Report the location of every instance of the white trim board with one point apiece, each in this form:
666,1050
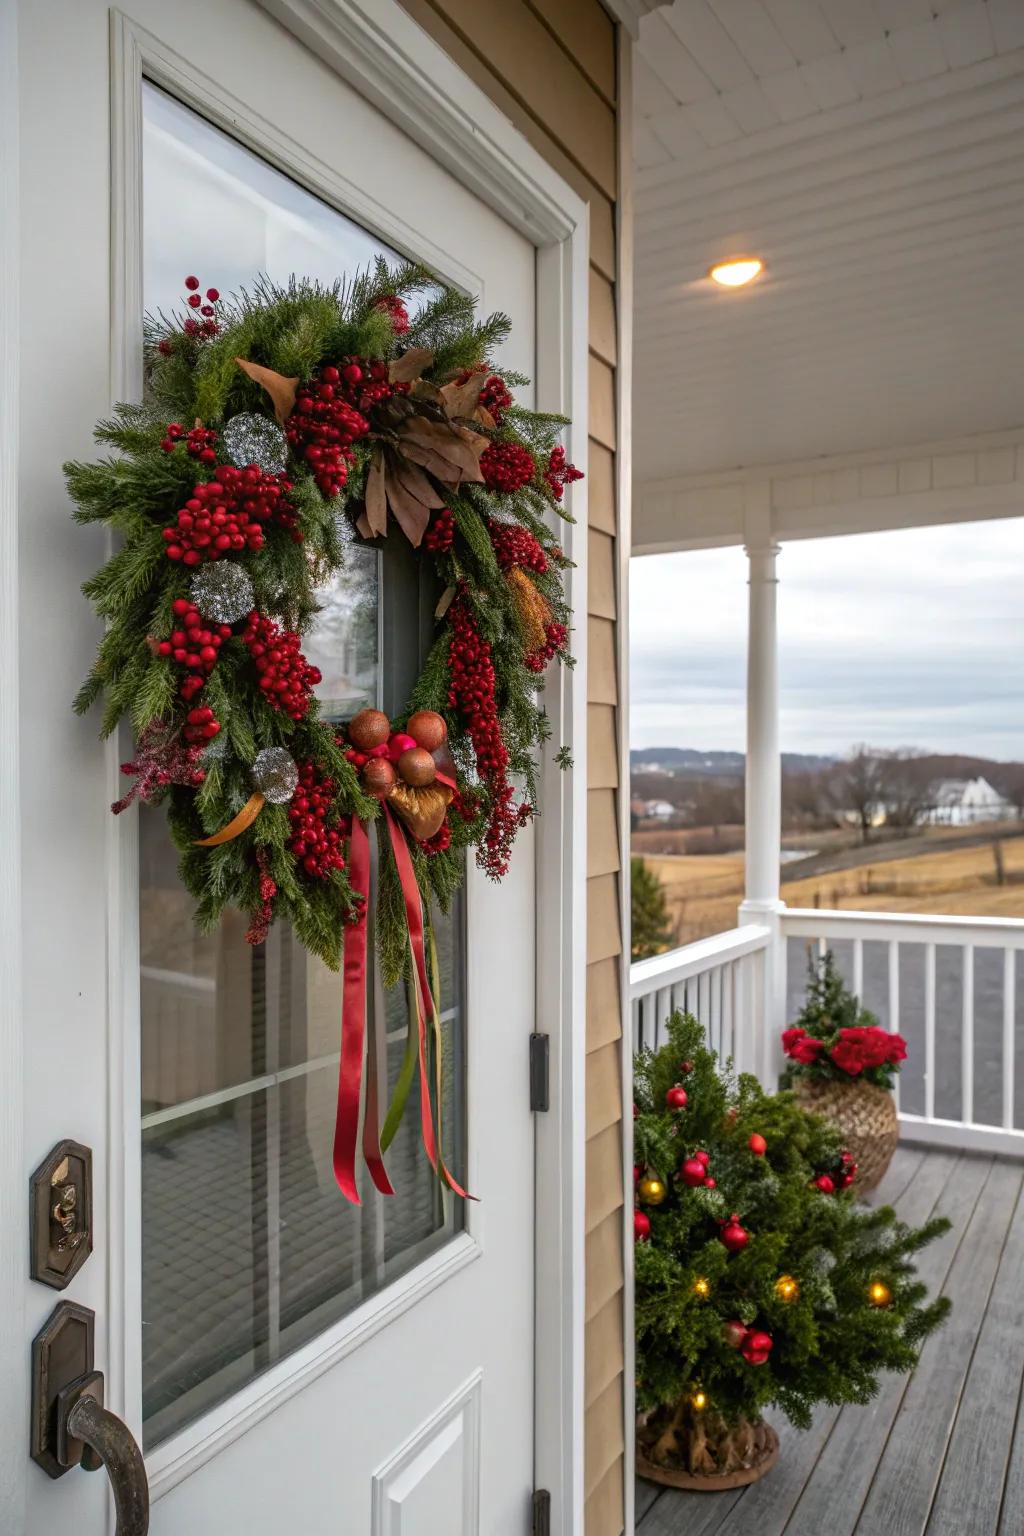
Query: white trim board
965,479
382,53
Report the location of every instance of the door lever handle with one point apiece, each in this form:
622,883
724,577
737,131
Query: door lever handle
90,1436
70,1425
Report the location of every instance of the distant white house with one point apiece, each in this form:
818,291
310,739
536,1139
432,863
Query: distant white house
962,802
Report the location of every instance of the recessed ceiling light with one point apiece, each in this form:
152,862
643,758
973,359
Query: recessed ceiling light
737,272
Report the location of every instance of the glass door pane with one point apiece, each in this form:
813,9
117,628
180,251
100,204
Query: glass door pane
248,1249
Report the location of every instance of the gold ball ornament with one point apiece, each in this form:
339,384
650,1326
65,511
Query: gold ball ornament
651,1190
787,1288
879,1294
378,777
417,767
368,729
427,729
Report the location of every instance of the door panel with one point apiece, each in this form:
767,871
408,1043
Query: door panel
317,1432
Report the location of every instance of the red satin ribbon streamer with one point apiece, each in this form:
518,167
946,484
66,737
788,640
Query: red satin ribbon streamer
353,1023
353,1040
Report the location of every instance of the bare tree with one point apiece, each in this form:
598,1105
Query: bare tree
857,788
906,783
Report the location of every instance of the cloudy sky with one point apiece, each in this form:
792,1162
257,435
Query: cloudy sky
912,638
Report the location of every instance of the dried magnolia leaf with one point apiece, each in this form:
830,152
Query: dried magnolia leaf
376,497
456,444
363,526
445,602
410,513
442,469
463,399
410,365
422,389
280,389
484,417
415,481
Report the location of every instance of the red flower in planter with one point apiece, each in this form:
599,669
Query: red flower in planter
801,1046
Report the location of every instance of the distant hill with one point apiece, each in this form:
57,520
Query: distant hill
685,762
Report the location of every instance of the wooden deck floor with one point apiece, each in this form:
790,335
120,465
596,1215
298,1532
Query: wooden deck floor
939,1453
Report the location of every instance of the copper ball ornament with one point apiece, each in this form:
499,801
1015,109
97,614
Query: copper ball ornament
368,729
378,777
417,767
427,729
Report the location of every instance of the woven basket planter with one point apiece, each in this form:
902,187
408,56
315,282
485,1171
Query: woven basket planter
866,1116
703,1454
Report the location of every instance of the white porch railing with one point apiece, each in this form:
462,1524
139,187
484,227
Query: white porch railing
949,984
720,980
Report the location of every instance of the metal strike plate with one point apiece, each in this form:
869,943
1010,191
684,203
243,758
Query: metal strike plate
62,1353
60,1198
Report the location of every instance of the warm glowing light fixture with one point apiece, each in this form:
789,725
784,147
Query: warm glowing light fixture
699,1400
702,1288
737,272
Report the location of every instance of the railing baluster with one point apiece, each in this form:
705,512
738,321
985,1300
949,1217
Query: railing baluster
858,967
1009,1011
894,1003
703,1000
967,1038
728,1022
929,1031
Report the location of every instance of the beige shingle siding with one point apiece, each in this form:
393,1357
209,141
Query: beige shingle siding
550,65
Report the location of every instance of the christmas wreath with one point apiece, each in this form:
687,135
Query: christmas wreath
276,427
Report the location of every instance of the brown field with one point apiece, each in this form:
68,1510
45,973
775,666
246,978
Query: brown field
704,891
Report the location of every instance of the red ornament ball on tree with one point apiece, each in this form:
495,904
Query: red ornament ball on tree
641,1226
825,1183
757,1346
733,1235
734,1333
757,1145
692,1172
676,1098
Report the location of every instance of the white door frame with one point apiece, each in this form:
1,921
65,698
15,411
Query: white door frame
379,50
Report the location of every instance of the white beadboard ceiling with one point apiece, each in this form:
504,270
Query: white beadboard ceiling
872,153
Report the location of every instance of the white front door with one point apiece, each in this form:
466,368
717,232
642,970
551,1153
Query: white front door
289,1363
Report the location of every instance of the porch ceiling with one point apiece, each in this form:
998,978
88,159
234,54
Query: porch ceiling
872,153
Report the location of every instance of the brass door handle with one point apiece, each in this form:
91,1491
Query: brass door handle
70,1425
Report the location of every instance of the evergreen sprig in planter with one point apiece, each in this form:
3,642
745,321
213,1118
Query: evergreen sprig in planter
760,1283
843,1067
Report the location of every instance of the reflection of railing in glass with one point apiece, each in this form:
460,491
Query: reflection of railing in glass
248,1249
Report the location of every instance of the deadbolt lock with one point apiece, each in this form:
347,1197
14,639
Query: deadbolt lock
61,1214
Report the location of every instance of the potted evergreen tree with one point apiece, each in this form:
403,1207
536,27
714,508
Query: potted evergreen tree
759,1282
843,1067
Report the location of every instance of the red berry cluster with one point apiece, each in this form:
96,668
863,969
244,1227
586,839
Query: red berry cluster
193,646
322,428
200,724
556,637
313,840
495,397
393,306
439,842
262,919
199,442
559,474
506,467
226,514
286,677
471,691
515,545
440,536
365,382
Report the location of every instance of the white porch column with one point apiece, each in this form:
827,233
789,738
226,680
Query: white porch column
762,902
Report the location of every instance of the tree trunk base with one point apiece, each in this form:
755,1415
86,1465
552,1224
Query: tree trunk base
699,1451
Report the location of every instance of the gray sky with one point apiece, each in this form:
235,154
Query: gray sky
912,638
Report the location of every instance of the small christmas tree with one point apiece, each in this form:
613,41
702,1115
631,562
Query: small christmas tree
651,924
758,1281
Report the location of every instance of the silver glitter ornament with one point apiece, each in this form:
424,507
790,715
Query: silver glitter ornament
275,774
222,591
253,439
216,750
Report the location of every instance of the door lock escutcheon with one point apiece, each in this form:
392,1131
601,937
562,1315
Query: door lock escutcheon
70,1425
60,1199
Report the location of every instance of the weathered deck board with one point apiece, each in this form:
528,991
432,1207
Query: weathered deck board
940,1453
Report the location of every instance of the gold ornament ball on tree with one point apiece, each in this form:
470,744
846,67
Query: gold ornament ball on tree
651,1190
417,767
427,729
786,1288
879,1293
368,729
